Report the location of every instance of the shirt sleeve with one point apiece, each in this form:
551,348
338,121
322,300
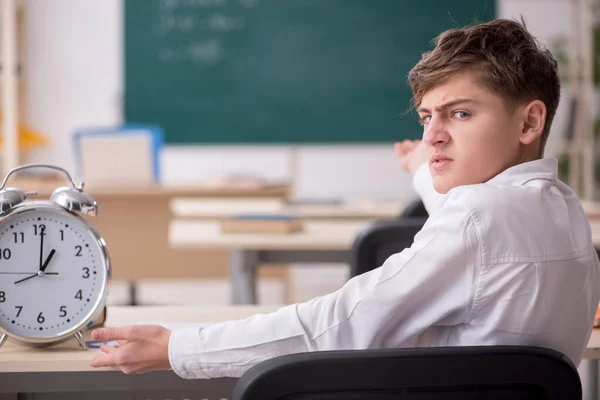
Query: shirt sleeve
431,283
423,185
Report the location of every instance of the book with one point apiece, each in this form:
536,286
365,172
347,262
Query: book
262,223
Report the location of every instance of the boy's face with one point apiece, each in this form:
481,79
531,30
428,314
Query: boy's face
469,134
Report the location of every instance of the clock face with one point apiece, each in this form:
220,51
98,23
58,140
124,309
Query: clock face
53,273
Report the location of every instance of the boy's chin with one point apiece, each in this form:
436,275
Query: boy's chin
441,186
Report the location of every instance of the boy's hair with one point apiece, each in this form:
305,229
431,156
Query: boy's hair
507,59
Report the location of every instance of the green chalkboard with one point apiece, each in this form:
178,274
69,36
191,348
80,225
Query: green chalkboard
281,71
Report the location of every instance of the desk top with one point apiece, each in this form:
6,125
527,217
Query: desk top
69,357
45,189
15,357
318,234
213,208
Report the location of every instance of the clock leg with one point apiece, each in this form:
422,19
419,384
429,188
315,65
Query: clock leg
79,337
2,339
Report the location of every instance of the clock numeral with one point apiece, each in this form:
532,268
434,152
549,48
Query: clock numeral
38,228
20,308
78,248
86,273
41,318
62,235
79,295
5,254
63,311
2,297
18,235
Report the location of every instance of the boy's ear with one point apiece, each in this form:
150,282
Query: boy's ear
534,121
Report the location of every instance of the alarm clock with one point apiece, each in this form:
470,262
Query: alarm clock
54,266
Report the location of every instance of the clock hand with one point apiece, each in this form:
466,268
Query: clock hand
30,276
24,279
45,265
27,273
41,246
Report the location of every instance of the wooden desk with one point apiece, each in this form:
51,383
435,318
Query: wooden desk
223,208
595,225
63,369
134,222
318,243
53,372
323,240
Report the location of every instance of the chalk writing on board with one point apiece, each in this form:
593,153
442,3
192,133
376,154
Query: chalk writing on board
207,52
169,23
173,5
222,22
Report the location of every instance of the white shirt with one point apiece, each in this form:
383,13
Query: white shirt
506,262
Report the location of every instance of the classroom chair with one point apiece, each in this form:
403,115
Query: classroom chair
415,208
377,242
445,373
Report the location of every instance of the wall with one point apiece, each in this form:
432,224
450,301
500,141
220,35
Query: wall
74,78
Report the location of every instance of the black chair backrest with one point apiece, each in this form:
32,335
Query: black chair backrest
415,208
449,373
379,241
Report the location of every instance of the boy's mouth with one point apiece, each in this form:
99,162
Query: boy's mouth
439,162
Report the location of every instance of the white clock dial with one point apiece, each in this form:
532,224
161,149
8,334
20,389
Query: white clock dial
53,272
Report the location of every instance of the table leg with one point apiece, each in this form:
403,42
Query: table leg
592,379
242,275
133,294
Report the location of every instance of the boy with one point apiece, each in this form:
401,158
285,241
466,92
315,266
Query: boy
506,260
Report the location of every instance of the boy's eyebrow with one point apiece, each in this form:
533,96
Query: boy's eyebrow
448,104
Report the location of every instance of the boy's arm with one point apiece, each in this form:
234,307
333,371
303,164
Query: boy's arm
430,283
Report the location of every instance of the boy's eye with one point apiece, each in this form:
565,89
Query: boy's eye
425,119
461,114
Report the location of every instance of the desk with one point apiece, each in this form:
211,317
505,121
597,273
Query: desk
55,371
595,225
319,243
223,208
134,222
322,240
65,369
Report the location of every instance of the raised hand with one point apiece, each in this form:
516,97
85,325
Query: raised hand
411,154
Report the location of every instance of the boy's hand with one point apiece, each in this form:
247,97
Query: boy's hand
411,155
142,348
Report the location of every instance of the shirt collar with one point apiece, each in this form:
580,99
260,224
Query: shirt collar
520,174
